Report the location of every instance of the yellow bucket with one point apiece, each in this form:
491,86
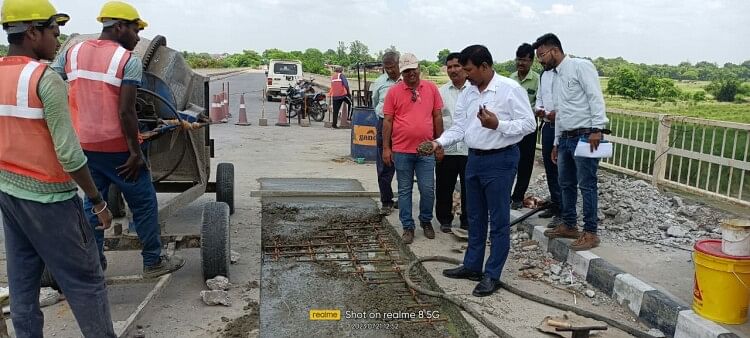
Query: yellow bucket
721,290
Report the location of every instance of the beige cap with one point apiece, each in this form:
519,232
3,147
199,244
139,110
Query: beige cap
408,61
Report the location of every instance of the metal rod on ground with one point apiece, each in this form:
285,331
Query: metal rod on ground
523,294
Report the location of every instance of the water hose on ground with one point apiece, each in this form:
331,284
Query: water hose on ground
523,294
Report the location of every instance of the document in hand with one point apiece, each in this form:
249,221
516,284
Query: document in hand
583,149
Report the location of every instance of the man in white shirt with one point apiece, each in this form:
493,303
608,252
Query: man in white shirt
579,116
453,164
492,116
546,111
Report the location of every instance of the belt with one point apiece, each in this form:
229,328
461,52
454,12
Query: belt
576,132
480,152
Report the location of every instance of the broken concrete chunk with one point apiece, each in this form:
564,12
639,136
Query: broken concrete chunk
48,296
555,269
218,283
590,293
216,297
677,231
655,333
234,257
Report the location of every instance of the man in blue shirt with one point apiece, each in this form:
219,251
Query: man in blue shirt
579,115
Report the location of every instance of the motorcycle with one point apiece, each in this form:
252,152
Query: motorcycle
303,96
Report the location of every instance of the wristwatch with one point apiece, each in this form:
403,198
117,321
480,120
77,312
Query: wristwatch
97,199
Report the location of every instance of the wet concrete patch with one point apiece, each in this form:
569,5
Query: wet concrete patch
337,254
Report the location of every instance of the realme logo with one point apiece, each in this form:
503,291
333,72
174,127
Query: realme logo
325,314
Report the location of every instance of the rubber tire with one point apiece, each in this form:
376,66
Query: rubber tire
48,281
225,185
115,202
292,112
319,117
215,241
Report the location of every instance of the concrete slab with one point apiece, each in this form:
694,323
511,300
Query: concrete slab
580,261
629,292
299,279
690,325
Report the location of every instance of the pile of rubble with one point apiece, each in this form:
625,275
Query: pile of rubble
632,209
536,264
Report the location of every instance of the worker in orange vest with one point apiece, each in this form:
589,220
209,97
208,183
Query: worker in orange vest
41,162
340,94
104,76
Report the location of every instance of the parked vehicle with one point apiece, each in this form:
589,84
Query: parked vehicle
281,75
303,96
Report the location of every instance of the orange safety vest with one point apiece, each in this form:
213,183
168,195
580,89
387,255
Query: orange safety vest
26,146
337,86
95,69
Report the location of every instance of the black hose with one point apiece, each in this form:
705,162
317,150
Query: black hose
187,136
523,294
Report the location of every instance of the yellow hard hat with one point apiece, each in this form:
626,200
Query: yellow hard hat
23,11
122,11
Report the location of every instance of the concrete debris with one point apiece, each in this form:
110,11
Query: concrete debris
656,333
555,269
216,297
677,231
218,283
234,257
48,296
633,209
590,293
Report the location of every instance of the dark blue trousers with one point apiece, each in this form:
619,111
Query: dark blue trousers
489,179
140,196
58,236
385,173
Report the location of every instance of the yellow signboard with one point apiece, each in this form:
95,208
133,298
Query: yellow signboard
365,136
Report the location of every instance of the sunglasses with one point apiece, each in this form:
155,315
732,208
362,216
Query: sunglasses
414,95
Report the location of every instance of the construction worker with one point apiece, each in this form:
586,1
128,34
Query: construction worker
340,94
40,163
104,76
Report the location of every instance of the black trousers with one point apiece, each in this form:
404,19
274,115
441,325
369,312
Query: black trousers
527,147
337,106
446,172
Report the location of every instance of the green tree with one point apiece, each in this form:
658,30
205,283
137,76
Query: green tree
274,53
248,58
633,83
724,89
313,62
342,56
359,52
3,50
442,55
433,69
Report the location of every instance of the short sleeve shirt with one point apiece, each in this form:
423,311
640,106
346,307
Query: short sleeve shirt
412,119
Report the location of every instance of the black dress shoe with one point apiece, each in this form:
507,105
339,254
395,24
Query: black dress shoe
550,212
462,273
486,287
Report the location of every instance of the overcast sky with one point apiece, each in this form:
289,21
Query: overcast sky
648,31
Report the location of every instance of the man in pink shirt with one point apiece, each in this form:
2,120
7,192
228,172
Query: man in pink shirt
412,113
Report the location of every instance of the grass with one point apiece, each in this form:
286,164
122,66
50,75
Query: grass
717,141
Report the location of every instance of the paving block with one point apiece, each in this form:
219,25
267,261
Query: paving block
559,248
602,275
629,291
538,235
691,325
660,311
579,260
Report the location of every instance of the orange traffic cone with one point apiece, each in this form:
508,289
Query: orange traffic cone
215,110
242,113
283,121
